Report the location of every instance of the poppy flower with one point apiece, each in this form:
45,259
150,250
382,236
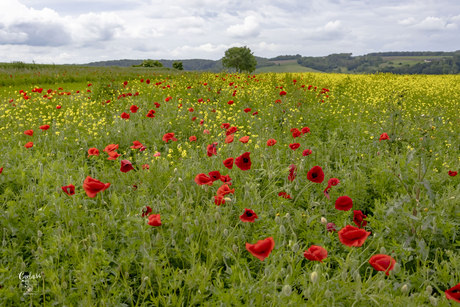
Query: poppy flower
150,114
283,93
244,139
244,161
453,174
93,186
292,174
315,253
453,293
294,146
110,147
255,113
1,170
231,130
228,163
306,152
315,174
353,236
44,127
206,131
278,101
124,115
29,144
191,110
343,203
136,145
69,189
214,175
333,182
247,110
271,142
193,118
154,220
295,132
211,149
229,139
202,179
305,130
383,263
331,227
230,102
358,218
93,152
192,138
169,136
126,166
113,155
284,195
57,107
146,210
125,83
248,216
219,200
145,166
157,154
225,126
134,108
224,190
29,132
384,136
262,248
147,81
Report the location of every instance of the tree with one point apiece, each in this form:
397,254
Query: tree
178,65
240,58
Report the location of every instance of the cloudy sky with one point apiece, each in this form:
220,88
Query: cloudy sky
82,31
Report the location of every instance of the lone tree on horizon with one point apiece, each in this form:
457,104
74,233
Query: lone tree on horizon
240,58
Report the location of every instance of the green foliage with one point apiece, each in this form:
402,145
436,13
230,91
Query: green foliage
239,58
178,65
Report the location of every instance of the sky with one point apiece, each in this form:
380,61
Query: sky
83,31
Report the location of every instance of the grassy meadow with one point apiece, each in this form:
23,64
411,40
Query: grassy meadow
287,66
390,141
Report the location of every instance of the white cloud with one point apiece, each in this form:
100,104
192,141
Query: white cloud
250,28
407,22
434,24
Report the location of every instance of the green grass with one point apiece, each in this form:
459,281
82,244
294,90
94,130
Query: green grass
411,60
285,67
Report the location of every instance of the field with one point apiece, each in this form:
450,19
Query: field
411,60
342,191
288,66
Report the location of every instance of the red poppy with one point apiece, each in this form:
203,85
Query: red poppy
93,186
1,170
384,136
383,263
255,113
202,179
225,126
283,93
93,152
29,144
134,108
113,155
262,248
230,102
69,189
343,203
315,253
333,182
331,227
292,174
315,174
306,152
150,114
452,173
136,145
154,220
124,115
271,142
29,132
219,200
211,149
278,101
453,293
125,83
145,166
353,236
110,147
146,210
214,175
206,131
169,136
226,179
57,107
244,161
126,166
305,130
228,163
244,139
147,81
231,130
192,138
295,132
191,110
224,190
358,218
294,146
44,127
284,195
247,110
193,118
248,216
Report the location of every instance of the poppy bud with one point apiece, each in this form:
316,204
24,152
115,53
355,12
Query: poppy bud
287,290
314,277
64,285
126,275
175,170
429,290
289,270
433,301
235,248
397,268
327,294
90,250
94,237
39,234
277,219
227,199
180,179
404,289
4,242
295,247
151,266
357,277
217,216
229,271
196,222
358,295
383,250
40,250
323,221
282,229
381,284
267,271
173,242
287,215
